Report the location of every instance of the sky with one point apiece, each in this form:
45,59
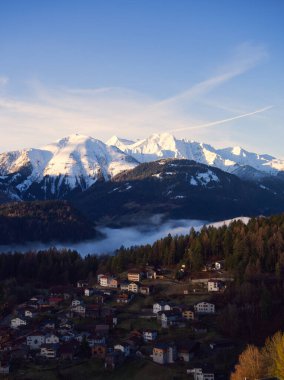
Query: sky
205,70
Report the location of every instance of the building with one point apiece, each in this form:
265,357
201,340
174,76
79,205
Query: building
201,373
164,353
145,289
124,348
30,312
35,341
215,285
188,313
103,281
168,317
89,292
219,264
161,306
82,284
134,276
204,308
18,322
186,350
124,298
150,335
133,287
113,283
51,339
124,286
49,351
99,350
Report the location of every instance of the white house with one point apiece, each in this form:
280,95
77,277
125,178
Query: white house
35,341
103,281
89,292
49,351
76,303
204,308
30,313
124,348
51,339
17,322
201,374
215,285
150,335
161,306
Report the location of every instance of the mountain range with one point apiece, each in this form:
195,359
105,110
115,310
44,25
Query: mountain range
121,180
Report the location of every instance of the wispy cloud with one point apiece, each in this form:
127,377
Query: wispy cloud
223,121
55,112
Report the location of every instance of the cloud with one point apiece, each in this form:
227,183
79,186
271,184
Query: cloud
218,122
51,113
245,57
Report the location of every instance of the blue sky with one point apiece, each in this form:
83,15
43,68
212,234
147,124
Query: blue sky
136,67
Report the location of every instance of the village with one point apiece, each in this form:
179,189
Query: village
144,316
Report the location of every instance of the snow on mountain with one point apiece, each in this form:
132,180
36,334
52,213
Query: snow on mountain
231,159
74,161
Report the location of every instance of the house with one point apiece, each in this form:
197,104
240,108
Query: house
215,285
48,324
123,347
113,283
201,373
124,298
99,350
219,264
76,302
164,353
187,349
82,284
204,308
151,274
51,339
188,313
133,287
79,309
103,280
150,335
89,292
30,312
145,289
168,317
124,286
134,276
18,322
161,306
35,340
114,359
49,351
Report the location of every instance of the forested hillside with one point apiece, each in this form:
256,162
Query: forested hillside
42,221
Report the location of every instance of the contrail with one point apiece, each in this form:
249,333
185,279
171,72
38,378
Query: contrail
211,124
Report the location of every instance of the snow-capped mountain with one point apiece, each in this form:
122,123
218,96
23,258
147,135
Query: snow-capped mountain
234,159
76,161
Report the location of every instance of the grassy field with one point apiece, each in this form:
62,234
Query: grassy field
135,370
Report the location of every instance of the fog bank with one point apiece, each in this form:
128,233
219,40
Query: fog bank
115,238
